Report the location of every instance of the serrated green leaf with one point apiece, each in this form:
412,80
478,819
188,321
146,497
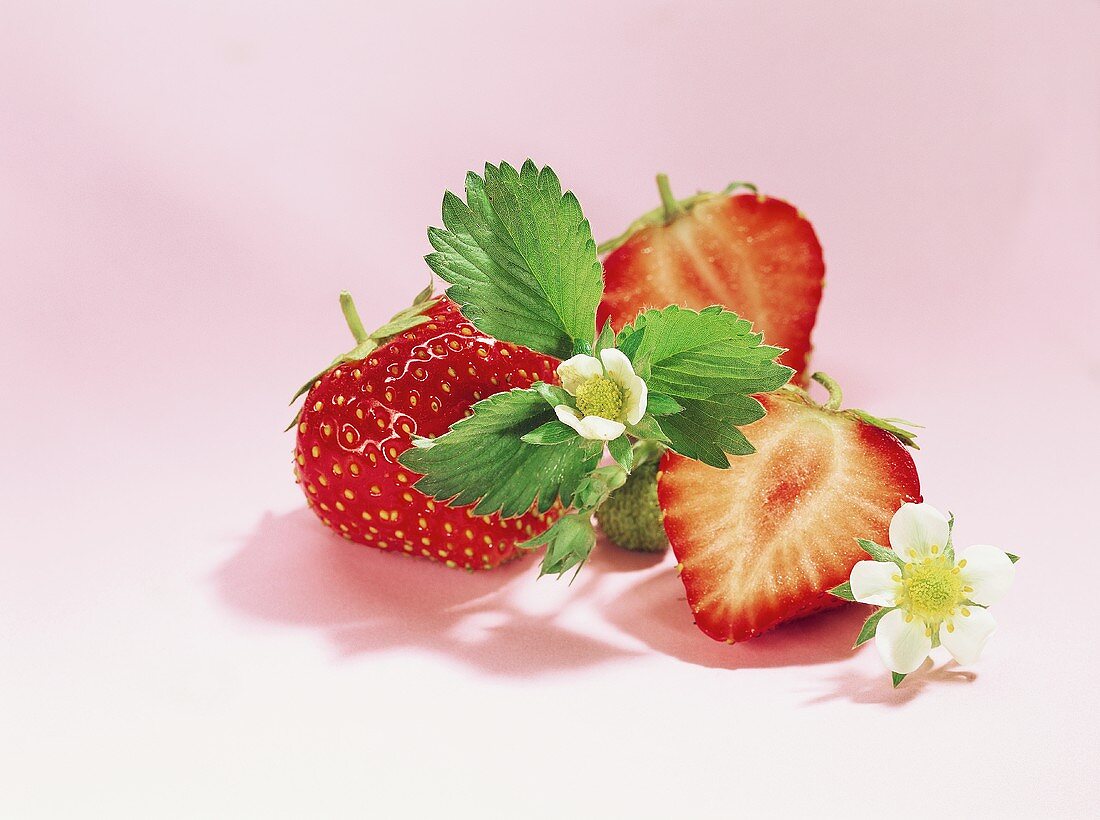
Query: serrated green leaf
870,625
569,542
706,431
482,459
843,591
897,678
880,553
659,404
622,452
553,432
705,354
520,259
710,363
648,428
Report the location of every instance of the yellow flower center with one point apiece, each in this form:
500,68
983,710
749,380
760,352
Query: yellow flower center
600,397
932,589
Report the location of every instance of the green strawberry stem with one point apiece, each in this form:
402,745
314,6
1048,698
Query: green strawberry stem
835,394
351,315
671,207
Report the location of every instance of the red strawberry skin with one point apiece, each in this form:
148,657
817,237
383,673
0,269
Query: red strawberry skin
360,416
756,256
763,542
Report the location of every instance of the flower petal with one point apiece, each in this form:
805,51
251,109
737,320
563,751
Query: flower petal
576,371
616,366
568,415
597,428
964,636
637,397
915,529
902,645
873,582
989,571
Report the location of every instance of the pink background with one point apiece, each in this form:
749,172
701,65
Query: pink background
184,188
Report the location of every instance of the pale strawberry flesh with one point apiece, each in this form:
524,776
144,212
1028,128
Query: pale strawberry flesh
763,542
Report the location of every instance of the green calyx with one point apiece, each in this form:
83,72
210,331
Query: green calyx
670,209
366,342
898,428
631,517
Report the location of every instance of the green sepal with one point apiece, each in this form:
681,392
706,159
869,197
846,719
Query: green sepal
622,452
659,404
1012,558
553,432
867,631
404,319
892,426
880,553
949,548
553,394
594,488
569,542
843,591
897,678
605,340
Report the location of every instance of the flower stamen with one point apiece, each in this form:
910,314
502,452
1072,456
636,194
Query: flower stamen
600,397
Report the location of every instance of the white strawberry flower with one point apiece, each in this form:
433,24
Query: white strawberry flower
609,394
935,594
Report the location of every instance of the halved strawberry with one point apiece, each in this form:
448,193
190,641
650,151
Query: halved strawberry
762,542
750,253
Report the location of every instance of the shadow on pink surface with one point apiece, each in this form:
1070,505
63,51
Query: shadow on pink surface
859,687
656,611
292,571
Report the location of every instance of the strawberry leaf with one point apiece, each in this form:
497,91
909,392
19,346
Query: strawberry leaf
484,460
709,362
661,405
553,432
622,452
520,258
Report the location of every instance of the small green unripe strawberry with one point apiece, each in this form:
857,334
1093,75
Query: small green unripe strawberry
631,518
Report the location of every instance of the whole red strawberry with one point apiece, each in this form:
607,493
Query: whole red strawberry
755,255
416,375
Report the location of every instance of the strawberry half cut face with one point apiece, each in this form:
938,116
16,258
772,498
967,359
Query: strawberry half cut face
762,542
